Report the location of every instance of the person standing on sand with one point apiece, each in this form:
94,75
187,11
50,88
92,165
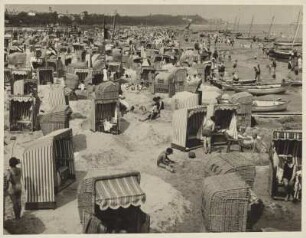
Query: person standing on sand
164,162
208,128
13,177
273,66
235,64
290,63
257,73
105,74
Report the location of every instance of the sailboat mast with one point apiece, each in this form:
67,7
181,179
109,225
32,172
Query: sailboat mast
114,25
238,24
251,26
297,29
235,22
269,32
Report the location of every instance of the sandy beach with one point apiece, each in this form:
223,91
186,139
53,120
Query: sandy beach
173,200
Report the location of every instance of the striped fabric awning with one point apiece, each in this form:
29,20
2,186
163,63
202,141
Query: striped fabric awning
119,192
226,107
196,109
288,135
21,98
20,72
80,70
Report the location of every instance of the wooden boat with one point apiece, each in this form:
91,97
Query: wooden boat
287,43
227,87
230,85
263,89
269,105
280,54
244,38
266,39
248,37
296,83
242,81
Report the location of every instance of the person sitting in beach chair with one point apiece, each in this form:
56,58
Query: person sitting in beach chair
289,172
164,162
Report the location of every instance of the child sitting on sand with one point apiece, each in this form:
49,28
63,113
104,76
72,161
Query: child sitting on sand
164,162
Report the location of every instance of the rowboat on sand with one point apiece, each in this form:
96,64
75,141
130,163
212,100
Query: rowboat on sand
263,89
295,83
269,105
287,43
280,54
230,84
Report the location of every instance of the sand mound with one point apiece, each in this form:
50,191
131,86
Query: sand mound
102,160
150,135
166,210
81,107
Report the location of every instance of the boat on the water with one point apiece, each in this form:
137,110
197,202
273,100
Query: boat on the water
280,54
287,43
229,84
269,105
295,83
244,38
266,39
263,89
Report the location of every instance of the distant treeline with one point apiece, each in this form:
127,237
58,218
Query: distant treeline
39,19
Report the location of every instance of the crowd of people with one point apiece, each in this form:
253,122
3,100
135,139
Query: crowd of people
97,56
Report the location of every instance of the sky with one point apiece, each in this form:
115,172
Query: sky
262,13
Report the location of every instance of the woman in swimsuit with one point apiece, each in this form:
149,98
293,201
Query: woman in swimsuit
13,177
288,177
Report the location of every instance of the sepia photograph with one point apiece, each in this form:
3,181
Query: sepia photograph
152,118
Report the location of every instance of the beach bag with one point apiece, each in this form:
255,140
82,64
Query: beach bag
191,155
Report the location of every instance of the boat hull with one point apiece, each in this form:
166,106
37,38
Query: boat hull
288,44
229,85
280,54
282,106
259,91
296,83
244,38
